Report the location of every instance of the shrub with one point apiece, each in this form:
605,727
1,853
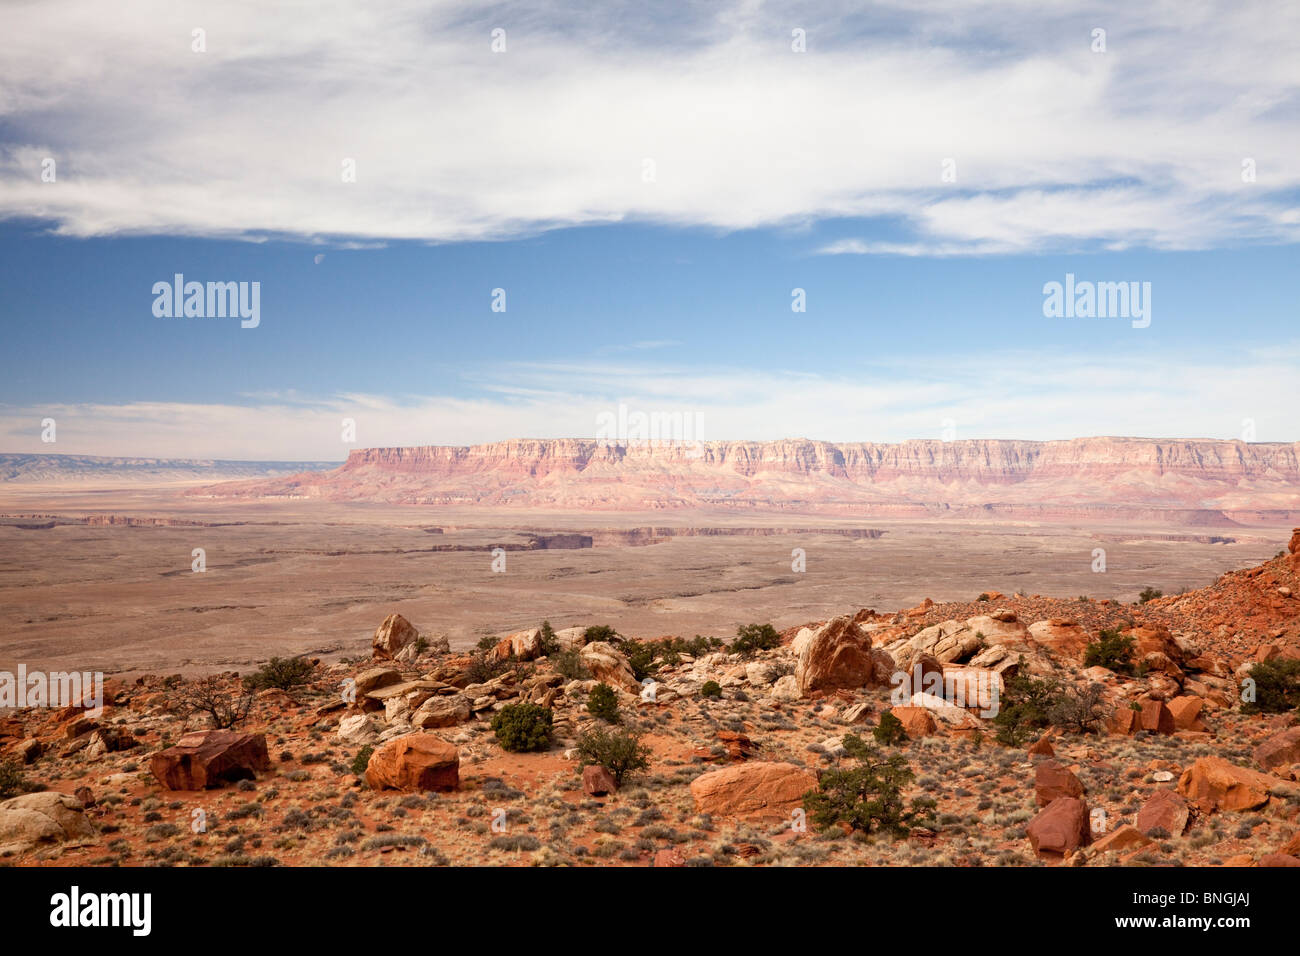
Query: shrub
755,637
711,688
569,665
600,632
641,657
1277,687
281,673
362,760
1023,707
481,669
983,597
1081,709
523,727
12,781
890,731
618,752
207,696
603,703
866,797
549,644
1149,594
1112,650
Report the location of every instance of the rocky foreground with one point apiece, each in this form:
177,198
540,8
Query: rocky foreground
1010,730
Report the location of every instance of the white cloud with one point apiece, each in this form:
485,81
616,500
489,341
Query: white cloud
1054,144
991,395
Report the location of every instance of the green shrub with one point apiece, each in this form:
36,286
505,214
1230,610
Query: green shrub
282,673
599,632
523,727
641,657
890,731
482,669
548,642
1024,706
361,760
867,797
711,688
603,703
755,637
1080,708
569,665
1149,594
12,781
1112,650
619,752
1277,687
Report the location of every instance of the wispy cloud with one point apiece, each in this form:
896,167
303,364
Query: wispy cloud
701,115
996,394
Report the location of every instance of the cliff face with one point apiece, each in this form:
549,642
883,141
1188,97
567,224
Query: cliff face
1060,478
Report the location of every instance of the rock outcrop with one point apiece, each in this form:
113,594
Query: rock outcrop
210,758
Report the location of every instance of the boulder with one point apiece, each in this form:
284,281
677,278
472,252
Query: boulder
1061,827
1052,780
1122,838
1061,636
1186,713
414,762
210,758
945,712
1213,783
1277,859
597,781
442,712
1155,717
753,790
1164,810
522,645
917,721
358,730
609,666
840,655
33,819
786,688
391,636
1280,750
375,678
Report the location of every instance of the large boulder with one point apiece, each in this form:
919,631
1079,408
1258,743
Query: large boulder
1060,827
917,722
358,730
1062,636
414,762
1213,783
1164,810
210,758
840,655
754,790
522,645
1280,750
391,636
33,819
1053,779
375,678
608,666
445,711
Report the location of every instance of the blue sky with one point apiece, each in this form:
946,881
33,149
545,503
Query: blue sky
527,170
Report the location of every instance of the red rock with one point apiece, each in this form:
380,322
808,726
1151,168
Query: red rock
738,746
1042,747
391,636
1186,713
1155,717
210,758
414,762
926,675
1213,783
1280,750
597,781
522,645
1061,827
1053,780
1278,859
917,721
1125,837
753,790
669,857
1164,810
840,655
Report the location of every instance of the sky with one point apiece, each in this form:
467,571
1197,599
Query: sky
474,222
